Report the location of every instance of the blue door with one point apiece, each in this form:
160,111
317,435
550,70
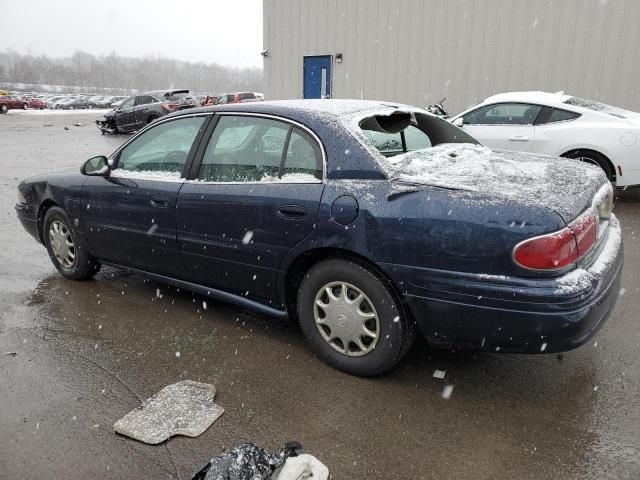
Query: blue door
236,224
317,77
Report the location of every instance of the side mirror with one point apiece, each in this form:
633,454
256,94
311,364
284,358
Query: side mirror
459,122
96,166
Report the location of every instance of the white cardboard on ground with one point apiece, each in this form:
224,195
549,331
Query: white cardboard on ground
184,408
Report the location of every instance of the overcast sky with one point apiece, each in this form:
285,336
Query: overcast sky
228,32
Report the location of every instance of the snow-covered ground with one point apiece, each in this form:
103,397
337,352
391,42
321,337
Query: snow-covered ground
95,111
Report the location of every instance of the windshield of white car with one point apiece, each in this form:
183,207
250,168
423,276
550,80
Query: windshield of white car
596,106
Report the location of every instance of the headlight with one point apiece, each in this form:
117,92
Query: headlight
21,198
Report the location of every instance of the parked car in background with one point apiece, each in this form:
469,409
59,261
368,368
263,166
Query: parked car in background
560,125
36,104
364,221
80,103
239,97
55,101
11,102
105,101
136,112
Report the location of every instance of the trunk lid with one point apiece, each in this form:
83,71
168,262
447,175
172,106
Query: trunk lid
562,185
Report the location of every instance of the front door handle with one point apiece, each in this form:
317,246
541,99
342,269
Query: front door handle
291,212
519,138
159,202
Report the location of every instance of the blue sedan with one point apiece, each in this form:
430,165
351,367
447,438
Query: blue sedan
366,222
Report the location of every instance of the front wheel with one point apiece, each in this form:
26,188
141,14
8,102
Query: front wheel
352,318
25,106
67,251
4,109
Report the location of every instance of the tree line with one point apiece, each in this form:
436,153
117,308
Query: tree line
113,72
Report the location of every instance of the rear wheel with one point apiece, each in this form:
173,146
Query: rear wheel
25,106
352,319
151,119
593,158
67,251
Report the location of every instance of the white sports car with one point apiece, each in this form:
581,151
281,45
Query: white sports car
560,125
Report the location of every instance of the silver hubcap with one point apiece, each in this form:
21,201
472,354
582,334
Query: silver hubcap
62,244
346,319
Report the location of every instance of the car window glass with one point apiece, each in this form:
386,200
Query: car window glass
391,143
304,159
504,114
244,149
558,115
128,103
163,148
416,139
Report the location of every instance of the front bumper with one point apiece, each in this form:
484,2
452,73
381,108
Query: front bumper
509,314
28,216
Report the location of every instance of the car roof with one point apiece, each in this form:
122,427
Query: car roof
165,92
540,98
304,108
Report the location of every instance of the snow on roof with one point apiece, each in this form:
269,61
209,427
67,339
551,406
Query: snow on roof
338,108
543,98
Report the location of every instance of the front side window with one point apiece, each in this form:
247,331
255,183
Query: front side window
504,114
255,149
128,103
161,150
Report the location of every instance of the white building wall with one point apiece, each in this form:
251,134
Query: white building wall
418,51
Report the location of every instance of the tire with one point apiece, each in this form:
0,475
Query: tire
594,158
25,106
151,119
3,109
58,233
392,328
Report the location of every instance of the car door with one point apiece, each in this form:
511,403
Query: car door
555,130
129,215
125,116
506,126
140,110
256,195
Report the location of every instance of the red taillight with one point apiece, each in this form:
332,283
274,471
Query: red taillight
557,250
547,252
171,106
585,230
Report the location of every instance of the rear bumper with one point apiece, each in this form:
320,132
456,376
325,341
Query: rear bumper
516,315
28,216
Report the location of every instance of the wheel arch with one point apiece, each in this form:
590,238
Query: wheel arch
306,260
42,211
597,152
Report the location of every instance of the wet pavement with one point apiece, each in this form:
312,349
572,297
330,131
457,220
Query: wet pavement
86,353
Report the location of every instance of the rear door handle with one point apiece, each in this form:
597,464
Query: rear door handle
519,138
159,202
291,212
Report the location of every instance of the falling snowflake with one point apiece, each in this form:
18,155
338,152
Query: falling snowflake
247,237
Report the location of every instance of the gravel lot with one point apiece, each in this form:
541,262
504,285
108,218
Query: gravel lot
87,353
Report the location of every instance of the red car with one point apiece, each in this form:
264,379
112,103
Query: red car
36,104
9,102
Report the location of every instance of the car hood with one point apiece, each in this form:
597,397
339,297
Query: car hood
563,185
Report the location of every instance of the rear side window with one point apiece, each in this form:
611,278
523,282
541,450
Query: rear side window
247,96
255,149
553,115
504,114
303,156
